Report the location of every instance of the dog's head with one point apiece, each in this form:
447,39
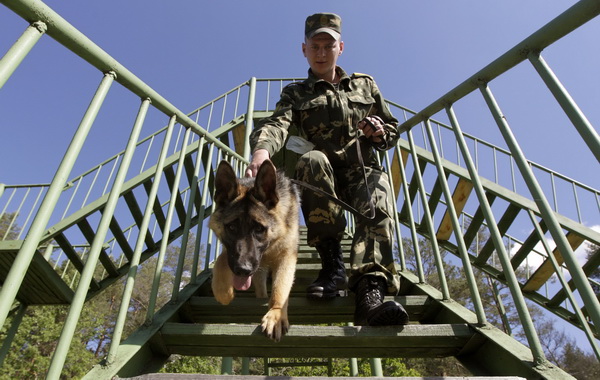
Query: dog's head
242,218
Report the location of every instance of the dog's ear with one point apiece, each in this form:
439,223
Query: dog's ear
226,186
265,185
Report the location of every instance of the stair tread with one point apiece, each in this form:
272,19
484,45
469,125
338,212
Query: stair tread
301,309
315,341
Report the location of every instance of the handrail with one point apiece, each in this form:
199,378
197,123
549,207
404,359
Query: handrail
555,176
71,38
580,13
209,143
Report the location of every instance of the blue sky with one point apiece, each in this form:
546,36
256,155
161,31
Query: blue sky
192,51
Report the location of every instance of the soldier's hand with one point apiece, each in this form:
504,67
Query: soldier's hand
257,159
372,127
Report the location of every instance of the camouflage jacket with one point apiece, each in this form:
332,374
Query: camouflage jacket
327,117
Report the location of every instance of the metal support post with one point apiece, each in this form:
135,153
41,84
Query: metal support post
139,246
227,365
186,225
245,366
353,367
399,245
429,220
581,123
202,212
511,278
201,145
60,354
249,117
376,369
12,332
561,278
15,277
411,219
579,277
463,250
167,229
15,55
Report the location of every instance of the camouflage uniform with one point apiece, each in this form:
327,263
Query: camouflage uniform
327,117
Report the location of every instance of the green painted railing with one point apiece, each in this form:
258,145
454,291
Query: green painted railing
55,218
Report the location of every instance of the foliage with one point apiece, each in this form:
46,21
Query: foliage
288,366
31,350
8,229
33,346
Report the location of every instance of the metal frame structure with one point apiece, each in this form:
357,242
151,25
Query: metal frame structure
50,231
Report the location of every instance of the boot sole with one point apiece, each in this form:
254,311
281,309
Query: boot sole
388,314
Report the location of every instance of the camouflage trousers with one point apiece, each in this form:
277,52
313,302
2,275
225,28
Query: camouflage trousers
371,252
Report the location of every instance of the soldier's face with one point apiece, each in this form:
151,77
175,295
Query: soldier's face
321,52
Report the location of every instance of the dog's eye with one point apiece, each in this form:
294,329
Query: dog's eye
259,229
232,227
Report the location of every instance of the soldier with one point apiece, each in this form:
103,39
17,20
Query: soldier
334,111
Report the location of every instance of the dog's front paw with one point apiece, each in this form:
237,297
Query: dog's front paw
275,324
223,294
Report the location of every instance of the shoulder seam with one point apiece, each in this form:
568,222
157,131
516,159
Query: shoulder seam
361,75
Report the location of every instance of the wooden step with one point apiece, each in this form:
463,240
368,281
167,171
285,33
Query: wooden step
313,341
42,285
301,310
546,270
459,198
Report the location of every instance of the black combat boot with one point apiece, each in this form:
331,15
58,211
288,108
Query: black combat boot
370,310
332,280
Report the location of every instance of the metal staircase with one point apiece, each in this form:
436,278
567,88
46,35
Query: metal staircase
452,189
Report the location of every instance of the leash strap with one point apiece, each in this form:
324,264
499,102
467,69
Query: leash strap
334,199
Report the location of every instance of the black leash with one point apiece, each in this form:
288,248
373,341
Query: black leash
334,199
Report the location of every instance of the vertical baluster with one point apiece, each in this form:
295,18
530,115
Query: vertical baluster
15,55
579,277
60,354
139,245
31,211
558,270
112,171
581,123
395,209
188,222
249,117
146,155
202,212
496,237
12,332
429,218
460,242
17,272
576,199
411,220
87,195
16,213
9,201
167,228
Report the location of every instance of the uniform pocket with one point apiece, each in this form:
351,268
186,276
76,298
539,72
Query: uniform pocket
360,104
319,101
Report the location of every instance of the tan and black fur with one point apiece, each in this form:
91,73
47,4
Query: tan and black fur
256,220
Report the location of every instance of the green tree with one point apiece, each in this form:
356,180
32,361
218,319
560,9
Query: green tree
8,229
38,333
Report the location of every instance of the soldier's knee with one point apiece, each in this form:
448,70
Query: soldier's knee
312,159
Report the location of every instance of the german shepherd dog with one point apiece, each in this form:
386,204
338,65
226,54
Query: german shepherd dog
256,220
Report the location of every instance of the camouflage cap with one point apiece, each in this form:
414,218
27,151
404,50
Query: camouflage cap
323,23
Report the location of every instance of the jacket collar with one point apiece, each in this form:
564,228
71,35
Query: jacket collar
313,81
